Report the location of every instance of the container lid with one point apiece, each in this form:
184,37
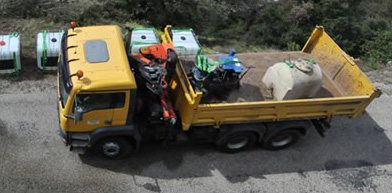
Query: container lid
304,64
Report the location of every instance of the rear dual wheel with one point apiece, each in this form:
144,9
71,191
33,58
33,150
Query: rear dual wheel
237,142
282,140
243,140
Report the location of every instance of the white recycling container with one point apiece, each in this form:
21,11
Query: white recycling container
48,49
10,53
185,42
142,37
301,78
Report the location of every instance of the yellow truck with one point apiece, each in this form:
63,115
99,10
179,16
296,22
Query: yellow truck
103,109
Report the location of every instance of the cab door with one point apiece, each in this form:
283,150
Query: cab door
98,110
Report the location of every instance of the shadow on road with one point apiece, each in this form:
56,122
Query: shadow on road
28,72
349,144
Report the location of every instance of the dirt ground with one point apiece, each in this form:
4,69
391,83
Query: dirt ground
382,77
30,80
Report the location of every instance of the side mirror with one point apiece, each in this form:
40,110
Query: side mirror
78,114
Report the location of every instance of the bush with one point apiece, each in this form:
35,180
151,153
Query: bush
379,48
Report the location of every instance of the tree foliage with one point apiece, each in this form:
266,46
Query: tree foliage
379,48
358,26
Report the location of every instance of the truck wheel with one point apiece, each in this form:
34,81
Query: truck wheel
282,140
237,142
113,148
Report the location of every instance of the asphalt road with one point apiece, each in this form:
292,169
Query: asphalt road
355,156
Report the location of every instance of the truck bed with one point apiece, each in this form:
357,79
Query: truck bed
346,90
251,87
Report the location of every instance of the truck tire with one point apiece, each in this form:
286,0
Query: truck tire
113,148
237,142
282,139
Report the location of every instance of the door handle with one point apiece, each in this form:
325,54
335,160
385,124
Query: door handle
108,121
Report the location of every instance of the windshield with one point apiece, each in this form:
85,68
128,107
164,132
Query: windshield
65,84
63,92
100,101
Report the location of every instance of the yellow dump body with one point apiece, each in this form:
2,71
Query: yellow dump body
356,92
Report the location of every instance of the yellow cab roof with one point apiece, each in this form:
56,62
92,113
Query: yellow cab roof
99,52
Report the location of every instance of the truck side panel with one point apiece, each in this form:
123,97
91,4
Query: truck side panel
276,110
186,99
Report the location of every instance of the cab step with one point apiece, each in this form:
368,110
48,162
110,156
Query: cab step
80,136
79,143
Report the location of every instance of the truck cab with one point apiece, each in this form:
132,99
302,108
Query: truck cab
96,88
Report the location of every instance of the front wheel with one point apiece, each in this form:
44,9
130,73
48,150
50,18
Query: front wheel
283,139
113,148
237,142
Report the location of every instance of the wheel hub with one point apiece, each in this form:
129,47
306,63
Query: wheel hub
111,149
282,140
238,143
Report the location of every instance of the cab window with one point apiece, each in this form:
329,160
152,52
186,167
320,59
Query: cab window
90,102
